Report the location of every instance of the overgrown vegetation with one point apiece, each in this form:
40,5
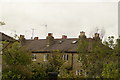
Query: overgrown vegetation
15,62
99,62
102,61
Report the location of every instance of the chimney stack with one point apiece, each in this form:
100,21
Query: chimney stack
96,37
22,36
35,38
22,39
50,39
64,37
96,34
82,35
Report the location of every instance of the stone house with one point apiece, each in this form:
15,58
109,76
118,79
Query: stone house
4,37
41,48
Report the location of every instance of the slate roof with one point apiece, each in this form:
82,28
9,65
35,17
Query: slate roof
4,37
40,45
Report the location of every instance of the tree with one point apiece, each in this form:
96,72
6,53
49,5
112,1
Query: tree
92,61
39,71
111,68
15,62
55,60
110,71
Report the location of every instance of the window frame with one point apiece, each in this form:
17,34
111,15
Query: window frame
65,57
45,57
34,58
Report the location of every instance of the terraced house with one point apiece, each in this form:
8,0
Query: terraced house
41,48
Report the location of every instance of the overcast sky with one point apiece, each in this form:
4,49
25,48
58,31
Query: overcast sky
61,17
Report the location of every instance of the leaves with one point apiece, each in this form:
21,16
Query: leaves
15,62
94,61
55,60
16,55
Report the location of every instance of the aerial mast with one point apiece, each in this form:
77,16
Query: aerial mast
32,33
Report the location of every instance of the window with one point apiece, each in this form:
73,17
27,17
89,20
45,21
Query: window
78,72
33,57
65,57
45,57
73,42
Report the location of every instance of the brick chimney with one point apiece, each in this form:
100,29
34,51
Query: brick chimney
50,34
22,39
64,37
35,38
96,36
82,35
50,39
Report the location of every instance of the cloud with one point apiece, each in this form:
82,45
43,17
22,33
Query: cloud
61,18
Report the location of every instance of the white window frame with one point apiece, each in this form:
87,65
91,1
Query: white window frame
34,57
65,57
45,57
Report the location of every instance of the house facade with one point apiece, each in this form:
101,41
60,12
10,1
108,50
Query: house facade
41,48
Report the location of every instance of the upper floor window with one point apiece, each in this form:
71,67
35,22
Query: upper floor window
46,57
33,57
65,57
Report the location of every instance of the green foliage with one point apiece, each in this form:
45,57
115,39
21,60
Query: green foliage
102,61
66,71
82,46
94,62
15,62
110,71
39,71
16,55
17,72
55,60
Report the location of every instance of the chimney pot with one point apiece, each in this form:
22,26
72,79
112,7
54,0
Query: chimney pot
82,34
50,34
64,37
96,34
35,38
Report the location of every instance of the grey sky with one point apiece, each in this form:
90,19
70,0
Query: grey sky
67,18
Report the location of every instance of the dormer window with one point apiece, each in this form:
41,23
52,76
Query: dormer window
73,42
